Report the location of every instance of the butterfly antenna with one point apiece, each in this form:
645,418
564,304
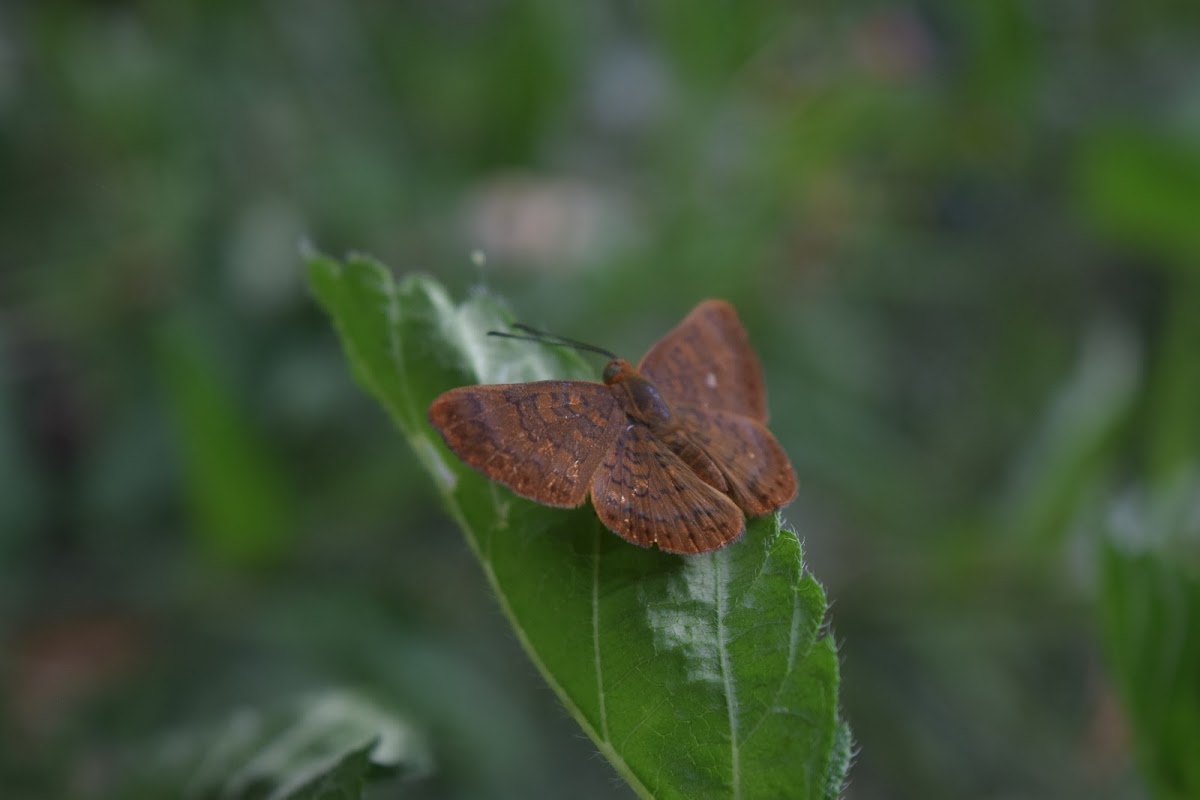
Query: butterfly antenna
563,339
532,334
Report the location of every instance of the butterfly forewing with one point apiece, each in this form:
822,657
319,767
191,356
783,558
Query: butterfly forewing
706,362
645,493
543,440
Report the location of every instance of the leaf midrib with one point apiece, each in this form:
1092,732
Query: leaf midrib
731,702
596,634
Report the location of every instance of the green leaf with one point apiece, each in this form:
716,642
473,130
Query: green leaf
1150,608
236,488
1173,426
1144,189
1070,454
325,746
696,676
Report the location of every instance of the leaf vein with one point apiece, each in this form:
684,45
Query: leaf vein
793,643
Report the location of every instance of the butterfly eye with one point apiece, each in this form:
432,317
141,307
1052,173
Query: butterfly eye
612,371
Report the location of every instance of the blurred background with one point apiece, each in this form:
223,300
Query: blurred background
965,238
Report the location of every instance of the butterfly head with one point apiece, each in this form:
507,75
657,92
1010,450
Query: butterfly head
618,370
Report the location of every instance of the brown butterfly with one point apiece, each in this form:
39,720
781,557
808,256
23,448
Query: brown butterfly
672,452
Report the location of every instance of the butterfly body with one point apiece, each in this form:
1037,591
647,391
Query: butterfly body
671,453
644,405
640,400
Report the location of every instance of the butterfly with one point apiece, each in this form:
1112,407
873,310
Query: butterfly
673,453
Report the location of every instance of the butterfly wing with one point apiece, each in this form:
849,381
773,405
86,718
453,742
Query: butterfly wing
706,368
543,440
645,493
759,476
706,362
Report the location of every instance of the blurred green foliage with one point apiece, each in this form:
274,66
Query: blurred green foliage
961,234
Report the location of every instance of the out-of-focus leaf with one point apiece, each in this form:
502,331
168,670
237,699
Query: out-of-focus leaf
1069,452
1145,189
235,486
696,676
1150,606
323,747
1173,422
22,491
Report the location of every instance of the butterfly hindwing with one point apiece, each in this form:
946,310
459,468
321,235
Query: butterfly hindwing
759,476
647,494
543,440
